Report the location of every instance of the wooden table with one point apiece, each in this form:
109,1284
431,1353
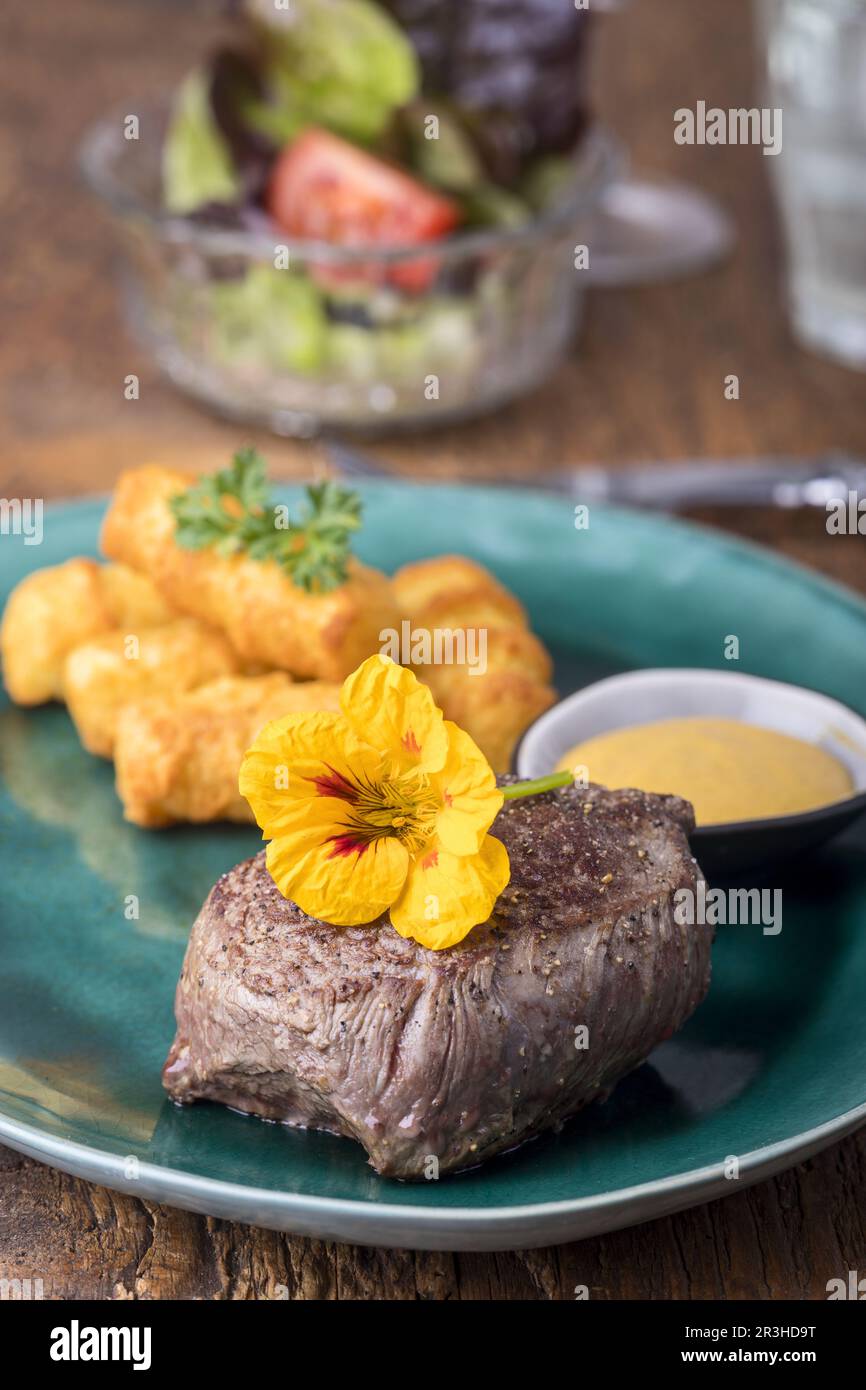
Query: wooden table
645,382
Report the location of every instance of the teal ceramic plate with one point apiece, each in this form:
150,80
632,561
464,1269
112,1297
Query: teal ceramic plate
772,1066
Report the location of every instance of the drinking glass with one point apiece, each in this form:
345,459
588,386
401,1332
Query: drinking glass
814,59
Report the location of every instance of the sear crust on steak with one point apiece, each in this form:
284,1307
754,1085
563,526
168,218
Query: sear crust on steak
448,1057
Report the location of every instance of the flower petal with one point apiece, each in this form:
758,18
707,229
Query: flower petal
446,895
470,797
317,863
303,756
389,708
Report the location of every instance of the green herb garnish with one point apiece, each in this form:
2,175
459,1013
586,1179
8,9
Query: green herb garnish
231,511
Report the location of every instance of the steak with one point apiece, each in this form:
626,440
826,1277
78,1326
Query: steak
436,1060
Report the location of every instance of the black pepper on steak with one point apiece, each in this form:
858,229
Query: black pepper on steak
435,1060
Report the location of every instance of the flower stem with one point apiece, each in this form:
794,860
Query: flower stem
537,785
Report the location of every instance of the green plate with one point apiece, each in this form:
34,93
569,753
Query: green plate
772,1066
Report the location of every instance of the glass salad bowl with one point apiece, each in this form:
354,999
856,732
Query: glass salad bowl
304,335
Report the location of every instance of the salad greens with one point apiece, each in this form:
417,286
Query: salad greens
441,336
277,321
341,64
347,122
348,69
270,316
449,160
196,164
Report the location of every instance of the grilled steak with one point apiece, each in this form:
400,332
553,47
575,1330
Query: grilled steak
437,1060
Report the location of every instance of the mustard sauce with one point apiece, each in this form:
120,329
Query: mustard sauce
727,769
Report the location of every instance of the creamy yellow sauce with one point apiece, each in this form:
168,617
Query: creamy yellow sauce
728,770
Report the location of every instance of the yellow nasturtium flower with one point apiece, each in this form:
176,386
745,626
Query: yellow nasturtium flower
385,806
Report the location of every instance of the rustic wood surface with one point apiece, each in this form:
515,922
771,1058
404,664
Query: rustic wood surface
645,382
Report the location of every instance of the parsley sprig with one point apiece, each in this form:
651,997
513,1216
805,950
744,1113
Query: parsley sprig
231,511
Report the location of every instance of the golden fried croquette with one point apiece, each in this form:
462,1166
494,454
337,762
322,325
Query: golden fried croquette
178,756
48,614
495,709
106,673
507,649
54,610
269,619
509,687
133,599
460,586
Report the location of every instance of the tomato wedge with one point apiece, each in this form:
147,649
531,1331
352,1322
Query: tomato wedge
325,189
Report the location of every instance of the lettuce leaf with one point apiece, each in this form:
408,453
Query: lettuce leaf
341,64
197,166
269,318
